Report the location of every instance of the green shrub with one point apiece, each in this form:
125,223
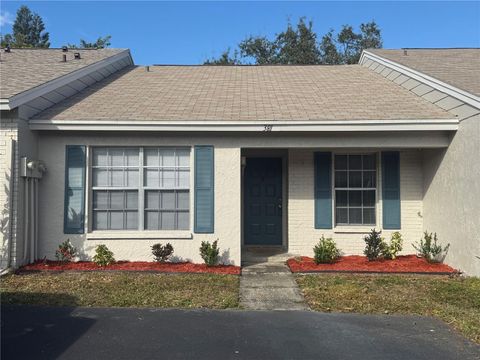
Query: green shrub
374,245
325,251
209,252
65,252
391,250
103,256
429,249
161,253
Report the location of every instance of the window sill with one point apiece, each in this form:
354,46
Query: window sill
353,229
132,235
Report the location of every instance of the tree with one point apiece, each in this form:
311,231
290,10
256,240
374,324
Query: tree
298,45
224,59
100,43
28,31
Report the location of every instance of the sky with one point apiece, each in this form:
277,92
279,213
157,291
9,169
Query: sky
190,32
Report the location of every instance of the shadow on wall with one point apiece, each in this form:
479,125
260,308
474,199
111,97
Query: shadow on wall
5,223
432,158
49,332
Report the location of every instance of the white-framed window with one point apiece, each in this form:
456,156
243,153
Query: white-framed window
355,188
143,188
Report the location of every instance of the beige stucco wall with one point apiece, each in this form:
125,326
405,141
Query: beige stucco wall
302,235
452,196
227,201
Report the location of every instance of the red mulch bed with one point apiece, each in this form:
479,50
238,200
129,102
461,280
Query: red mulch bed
360,264
184,267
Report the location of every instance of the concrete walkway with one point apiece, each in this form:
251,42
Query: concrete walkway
267,283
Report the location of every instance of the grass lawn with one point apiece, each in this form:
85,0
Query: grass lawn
121,290
455,300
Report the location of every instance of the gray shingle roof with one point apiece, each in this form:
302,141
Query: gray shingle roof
24,69
457,67
244,93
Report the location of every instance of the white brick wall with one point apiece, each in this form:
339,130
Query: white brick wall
302,235
8,196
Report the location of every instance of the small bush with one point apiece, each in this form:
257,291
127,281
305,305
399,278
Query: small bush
325,252
391,250
161,253
429,249
65,252
209,252
375,245
103,256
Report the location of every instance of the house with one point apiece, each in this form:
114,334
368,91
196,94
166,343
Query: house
99,151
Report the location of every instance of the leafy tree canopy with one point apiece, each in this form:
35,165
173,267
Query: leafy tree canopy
100,43
28,31
299,45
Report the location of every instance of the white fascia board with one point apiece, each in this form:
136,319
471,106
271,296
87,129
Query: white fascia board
248,126
4,104
51,85
439,85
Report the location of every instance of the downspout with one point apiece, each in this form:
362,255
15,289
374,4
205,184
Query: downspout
32,220
26,222
11,166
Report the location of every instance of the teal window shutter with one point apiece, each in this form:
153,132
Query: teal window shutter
391,189
204,190
74,210
323,190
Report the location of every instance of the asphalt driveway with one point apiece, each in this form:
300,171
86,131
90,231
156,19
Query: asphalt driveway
85,333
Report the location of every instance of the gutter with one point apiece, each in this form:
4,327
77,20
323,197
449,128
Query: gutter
439,85
248,126
33,93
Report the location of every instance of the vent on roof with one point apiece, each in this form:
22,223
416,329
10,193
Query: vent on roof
7,48
64,48
405,53
64,58
147,68
76,56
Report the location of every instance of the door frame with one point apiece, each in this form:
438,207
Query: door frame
261,153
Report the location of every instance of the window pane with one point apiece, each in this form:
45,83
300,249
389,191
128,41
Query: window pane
355,198
132,199
151,157
168,220
100,177
342,216
355,162
369,162
132,220
75,176
151,178
116,220
340,179
75,213
152,200
355,179
131,156
168,200
100,200
369,198
369,179
116,157
168,178
183,179
116,177
355,215
340,162
183,220
151,220
341,197
100,157
132,178
183,157
117,200
168,157
100,220
369,216
183,200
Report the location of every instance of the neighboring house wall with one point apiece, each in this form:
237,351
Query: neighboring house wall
451,188
302,236
227,200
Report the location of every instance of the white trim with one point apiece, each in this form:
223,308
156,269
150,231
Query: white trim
33,93
439,85
133,234
248,126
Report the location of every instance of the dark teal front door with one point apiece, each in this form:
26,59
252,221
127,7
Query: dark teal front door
263,201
